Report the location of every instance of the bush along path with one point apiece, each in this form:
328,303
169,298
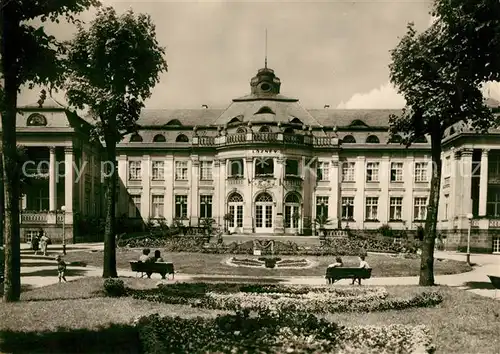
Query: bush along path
39,271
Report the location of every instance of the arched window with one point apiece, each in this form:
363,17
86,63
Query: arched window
264,129
264,198
264,110
292,198
296,121
174,122
159,138
235,198
289,131
264,167
36,119
372,139
396,139
349,139
421,140
181,138
136,138
241,130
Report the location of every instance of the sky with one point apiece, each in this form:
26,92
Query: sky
325,52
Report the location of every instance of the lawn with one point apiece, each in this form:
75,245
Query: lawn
463,323
202,263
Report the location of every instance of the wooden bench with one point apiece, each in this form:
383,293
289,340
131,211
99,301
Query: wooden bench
162,268
495,281
336,273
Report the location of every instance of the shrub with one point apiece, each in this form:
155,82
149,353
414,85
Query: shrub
114,287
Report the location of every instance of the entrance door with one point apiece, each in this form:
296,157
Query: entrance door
292,213
264,213
235,213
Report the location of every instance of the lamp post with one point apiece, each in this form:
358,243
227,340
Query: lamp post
469,216
63,209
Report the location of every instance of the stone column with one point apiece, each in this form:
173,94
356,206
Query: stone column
359,199
146,187
278,221
217,212
69,183
194,186
456,189
53,175
123,203
408,182
483,183
222,188
383,203
169,172
467,181
335,195
247,197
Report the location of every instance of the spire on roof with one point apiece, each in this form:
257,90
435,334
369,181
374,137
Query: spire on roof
265,55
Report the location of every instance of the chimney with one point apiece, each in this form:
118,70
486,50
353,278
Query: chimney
204,106
326,106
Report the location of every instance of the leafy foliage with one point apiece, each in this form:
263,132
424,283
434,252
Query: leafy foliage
113,67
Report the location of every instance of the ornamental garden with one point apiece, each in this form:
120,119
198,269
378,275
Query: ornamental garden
237,300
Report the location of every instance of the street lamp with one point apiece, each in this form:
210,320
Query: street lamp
63,209
469,216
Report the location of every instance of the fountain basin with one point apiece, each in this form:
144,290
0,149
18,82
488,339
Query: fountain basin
270,262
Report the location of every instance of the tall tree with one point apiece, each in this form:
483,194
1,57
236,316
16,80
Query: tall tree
28,56
113,67
441,88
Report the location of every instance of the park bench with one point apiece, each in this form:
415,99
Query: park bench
162,268
336,273
495,281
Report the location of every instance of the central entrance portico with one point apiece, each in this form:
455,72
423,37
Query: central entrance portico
264,213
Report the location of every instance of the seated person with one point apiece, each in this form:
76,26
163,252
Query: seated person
362,264
157,257
338,263
145,255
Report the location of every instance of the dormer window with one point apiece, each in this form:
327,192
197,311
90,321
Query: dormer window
235,120
159,138
181,138
296,121
264,110
136,138
241,130
372,139
358,123
349,139
264,129
36,119
174,122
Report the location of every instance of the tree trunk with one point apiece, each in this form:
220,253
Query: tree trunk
109,266
2,201
10,29
427,257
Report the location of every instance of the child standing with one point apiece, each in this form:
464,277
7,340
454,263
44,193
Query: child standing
61,268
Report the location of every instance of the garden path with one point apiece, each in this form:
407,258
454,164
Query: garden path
39,271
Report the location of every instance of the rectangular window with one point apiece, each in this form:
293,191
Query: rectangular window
134,170
347,208
421,172
396,208
181,170
181,206
158,171
420,208
348,169
396,172
323,171
371,208
372,171
322,207
205,206
206,170
157,206
134,206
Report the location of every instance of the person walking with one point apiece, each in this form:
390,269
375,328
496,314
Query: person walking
61,268
35,244
44,240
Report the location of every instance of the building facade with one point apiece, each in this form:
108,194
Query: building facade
263,165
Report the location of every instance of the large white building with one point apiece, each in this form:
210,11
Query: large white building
266,165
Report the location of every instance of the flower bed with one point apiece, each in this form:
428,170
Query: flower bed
269,262
256,297
274,333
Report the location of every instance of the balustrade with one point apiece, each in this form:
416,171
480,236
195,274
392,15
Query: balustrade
35,217
494,223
